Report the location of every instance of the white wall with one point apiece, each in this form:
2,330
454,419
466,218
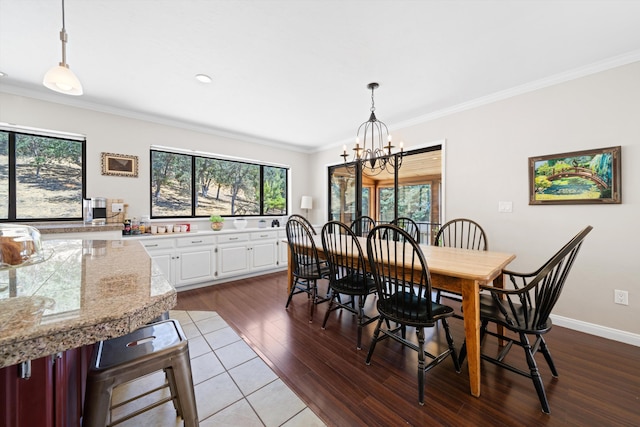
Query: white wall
487,149
117,134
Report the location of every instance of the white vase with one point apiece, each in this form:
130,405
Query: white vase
239,223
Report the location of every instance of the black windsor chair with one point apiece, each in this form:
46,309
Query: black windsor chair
362,225
464,234
408,225
403,284
525,310
347,273
307,267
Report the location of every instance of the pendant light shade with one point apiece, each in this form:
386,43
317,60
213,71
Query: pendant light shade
60,78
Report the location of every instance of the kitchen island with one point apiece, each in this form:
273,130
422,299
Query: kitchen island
51,314
86,291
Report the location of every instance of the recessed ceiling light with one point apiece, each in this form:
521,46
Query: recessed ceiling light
203,78
3,74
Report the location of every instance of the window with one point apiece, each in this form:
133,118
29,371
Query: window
186,185
42,175
413,192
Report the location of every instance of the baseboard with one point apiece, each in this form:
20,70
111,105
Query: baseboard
597,330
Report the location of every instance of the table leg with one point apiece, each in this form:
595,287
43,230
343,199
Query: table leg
471,310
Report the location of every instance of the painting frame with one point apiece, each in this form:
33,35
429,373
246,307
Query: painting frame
601,166
119,165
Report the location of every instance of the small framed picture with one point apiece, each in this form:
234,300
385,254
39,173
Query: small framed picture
580,177
119,165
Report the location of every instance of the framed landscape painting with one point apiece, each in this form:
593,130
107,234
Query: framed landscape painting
119,165
589,176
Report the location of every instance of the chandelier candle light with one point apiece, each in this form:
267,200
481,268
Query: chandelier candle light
373,156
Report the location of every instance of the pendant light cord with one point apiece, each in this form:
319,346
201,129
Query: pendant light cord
63,39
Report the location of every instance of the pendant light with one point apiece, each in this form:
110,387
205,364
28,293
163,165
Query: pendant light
60,78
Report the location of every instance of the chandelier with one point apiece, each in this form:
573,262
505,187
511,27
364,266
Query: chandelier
373,156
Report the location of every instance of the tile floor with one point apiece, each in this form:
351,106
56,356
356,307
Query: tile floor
233,386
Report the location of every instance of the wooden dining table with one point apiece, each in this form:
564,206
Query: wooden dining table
461,271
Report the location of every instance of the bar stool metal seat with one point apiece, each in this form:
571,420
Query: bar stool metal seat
153,347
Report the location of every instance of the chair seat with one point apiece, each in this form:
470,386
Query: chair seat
407,308
354,284
518,319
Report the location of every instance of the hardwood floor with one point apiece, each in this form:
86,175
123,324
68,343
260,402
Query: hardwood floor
598,383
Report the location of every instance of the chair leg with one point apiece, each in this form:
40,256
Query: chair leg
326,315
421,365
452,348
314,291
535,374
463,349
374,340
547,356
361,300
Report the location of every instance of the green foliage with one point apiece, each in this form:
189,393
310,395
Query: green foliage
541,182
275,187
41,150
216,218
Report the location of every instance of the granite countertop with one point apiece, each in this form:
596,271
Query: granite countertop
87,291
73,227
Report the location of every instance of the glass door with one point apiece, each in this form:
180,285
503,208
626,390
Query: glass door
414,192
342,195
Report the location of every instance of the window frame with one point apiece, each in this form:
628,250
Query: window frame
194,155
12,191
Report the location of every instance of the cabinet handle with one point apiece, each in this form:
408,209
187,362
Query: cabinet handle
233,238
264,235
196,241
24,370
151,246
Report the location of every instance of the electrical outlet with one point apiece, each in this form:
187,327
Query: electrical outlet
117,207
621,297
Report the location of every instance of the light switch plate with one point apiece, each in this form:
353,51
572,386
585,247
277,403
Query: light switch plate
505,207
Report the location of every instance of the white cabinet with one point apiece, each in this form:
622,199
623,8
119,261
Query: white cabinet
205,258
162,253
233,254
264,250
247,252
283,249
183,260
195,260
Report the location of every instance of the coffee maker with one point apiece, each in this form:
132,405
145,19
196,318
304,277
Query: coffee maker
98,210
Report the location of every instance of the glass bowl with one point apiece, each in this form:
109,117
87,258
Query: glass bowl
20,245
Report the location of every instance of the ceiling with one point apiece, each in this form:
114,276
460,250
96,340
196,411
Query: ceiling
294,73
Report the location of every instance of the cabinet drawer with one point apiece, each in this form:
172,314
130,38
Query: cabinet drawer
233,238
195,241
152,245
260,235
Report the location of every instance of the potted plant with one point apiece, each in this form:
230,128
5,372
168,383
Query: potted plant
216,222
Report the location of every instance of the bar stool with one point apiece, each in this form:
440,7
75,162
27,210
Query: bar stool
150,348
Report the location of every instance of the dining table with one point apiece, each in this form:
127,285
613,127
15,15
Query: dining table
462,271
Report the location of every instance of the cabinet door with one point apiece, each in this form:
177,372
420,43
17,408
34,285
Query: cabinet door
264,254
28,402
233,259
195,265
53,395
283,254
163,260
